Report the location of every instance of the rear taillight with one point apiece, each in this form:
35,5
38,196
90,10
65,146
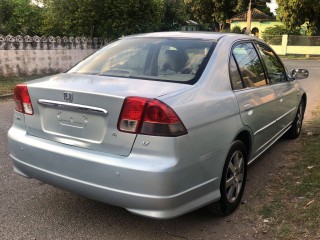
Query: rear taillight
149,117
22,99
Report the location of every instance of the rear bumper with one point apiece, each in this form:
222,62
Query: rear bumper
153,186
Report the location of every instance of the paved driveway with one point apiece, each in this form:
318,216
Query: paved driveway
32,210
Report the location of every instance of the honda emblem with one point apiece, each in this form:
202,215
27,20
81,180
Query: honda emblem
68,97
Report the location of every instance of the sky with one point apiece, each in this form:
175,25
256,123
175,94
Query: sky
273,6
39,3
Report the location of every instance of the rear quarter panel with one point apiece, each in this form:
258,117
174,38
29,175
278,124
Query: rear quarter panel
210,113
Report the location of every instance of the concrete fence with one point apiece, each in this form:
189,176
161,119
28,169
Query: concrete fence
24,56
287,44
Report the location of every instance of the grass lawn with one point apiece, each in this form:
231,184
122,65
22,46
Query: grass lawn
7,84
290,207
300,57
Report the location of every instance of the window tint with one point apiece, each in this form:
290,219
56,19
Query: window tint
275,69
159,59
235,75
250,65
186,61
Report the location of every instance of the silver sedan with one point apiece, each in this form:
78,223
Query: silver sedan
160,124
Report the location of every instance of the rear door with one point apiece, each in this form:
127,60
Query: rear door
256,99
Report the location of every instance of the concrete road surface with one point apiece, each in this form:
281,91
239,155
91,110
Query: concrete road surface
30,209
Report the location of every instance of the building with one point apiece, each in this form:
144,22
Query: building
191,26
259,21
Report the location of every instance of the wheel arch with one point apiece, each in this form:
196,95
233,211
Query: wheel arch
246,138
304,98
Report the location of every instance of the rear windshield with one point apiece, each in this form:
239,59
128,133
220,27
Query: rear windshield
159,59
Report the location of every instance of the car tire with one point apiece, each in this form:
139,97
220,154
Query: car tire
295,129
233,180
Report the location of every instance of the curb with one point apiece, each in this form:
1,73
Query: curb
6,96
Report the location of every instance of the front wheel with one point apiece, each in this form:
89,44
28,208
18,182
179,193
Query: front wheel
296,127
233,180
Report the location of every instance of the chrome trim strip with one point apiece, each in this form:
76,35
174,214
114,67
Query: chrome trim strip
273,122
286,113
265,127
72,106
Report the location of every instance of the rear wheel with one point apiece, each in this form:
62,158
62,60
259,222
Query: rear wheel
295,129
233,180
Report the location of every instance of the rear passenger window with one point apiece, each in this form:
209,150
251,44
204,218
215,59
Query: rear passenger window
275,69
249,64
235,75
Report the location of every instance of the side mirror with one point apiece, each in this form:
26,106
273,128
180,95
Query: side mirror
299,73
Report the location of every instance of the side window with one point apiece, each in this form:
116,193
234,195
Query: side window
235,75
250,65
275,69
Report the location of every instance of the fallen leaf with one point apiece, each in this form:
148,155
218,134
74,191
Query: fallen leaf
309,203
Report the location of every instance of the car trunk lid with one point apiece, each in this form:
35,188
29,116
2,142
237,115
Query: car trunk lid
83,110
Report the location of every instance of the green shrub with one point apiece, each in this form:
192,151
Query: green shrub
225,30
280,30
273,35
236,29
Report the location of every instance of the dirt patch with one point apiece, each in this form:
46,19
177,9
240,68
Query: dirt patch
283,190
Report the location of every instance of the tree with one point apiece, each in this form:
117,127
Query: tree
215,13
294,13
111,18
20,17
258,4
201,11
72,17
174,14
6,12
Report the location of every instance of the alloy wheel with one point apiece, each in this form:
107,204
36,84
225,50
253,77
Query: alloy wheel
234,178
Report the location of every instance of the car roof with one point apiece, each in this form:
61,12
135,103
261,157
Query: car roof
196,35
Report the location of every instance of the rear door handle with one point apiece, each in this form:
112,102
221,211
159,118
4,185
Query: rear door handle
248,107
280,97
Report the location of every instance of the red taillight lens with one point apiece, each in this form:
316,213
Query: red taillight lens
150,117
22,99
131,114
159,112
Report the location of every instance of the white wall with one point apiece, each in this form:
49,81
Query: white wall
25,55
39,62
